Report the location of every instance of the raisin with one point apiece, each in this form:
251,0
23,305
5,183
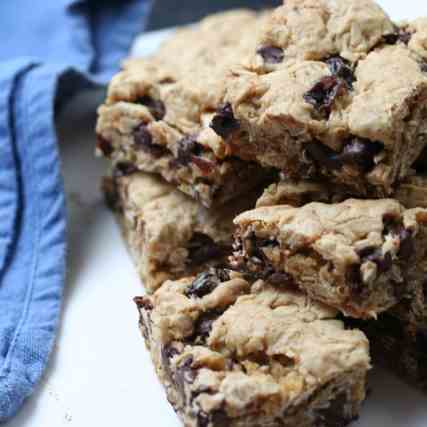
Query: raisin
155,107
202,248
323,155
323,94
104,146
185,374
281,279
187,148
144,142
354,278
224,123
124,169
384,263
341,68
271,54
206,166
393,38
361,153
203,326
206,282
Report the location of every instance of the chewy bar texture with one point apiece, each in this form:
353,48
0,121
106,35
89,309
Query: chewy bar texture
161,112
336,91
411,193
169,234
234,354
400,346
359,256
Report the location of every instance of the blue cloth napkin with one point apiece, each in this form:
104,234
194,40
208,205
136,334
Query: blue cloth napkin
50,49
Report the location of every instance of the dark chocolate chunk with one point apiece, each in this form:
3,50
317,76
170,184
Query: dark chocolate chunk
224,123
323,94
104,146
124,169
335,414
142,302
271,54
323,155
187,148
202,248
155,106
407,245
341,68
144,141
206,282
361,153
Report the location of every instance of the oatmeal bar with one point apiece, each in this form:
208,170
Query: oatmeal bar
360,256
400,346
169,234
346,101
230,353
411,193
161,112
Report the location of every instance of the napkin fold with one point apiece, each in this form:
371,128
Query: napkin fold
50,50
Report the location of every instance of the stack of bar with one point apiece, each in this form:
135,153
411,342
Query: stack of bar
256,305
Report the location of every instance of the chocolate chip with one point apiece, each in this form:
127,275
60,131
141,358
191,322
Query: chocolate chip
224,123
202,248
122,169
407,245
271,54
323,94
155,106
206,282
361,153
144,141
104,146
341,68
185,374
281,279
375,255
143,302
187,148
323,155
203,326
335,414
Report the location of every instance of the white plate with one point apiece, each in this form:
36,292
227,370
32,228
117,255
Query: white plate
100,373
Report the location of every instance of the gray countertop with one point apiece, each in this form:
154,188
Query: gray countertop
169,13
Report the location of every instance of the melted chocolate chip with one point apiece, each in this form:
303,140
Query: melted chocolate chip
206,282
202,248
341,68
104,146
334,415
361,153
144,141
271,54
155,106
375,255
142,302
323,94
224,123
323,155
124,169
187,148
407,245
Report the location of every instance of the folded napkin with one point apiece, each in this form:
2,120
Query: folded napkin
50,49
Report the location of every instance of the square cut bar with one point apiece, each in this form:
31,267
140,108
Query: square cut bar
360,256
169,234
161,112
345,101
400,346
411,193
231,353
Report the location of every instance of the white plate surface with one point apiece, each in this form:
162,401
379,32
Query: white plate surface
100,373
